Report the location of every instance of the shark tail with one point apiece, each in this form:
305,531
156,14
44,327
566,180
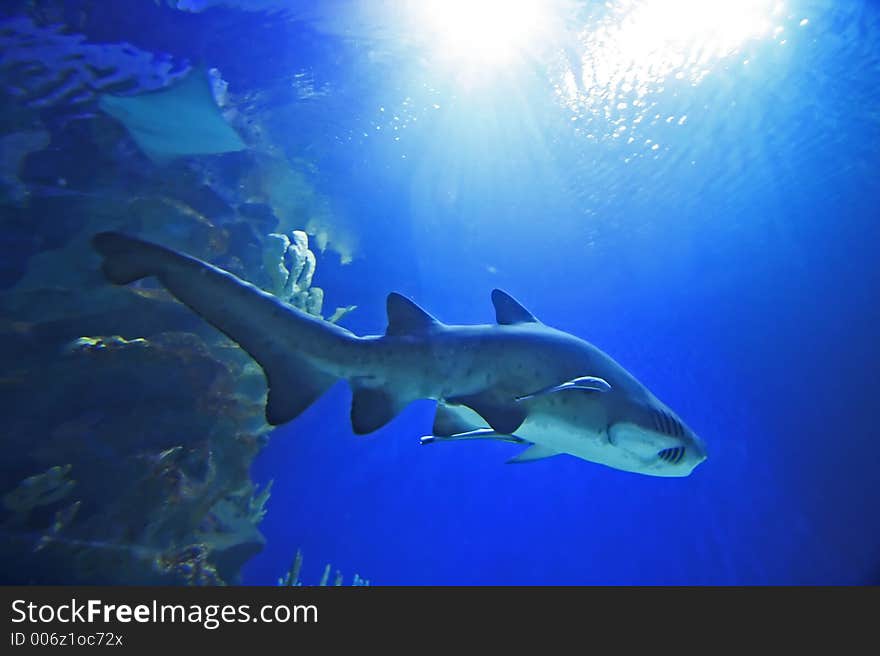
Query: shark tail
125,259
272,332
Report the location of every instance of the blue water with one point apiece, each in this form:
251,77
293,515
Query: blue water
733,269
735,273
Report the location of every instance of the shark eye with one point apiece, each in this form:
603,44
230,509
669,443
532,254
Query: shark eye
672,455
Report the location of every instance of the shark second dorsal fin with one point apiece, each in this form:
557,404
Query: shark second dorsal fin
407,318
509,311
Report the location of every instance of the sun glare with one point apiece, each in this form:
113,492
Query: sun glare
650,39
624,59
609,62
482,34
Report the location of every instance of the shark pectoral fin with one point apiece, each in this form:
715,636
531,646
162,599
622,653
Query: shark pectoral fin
534,452
505,418
583,383
372,408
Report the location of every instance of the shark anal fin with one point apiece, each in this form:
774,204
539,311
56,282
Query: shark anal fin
509,311
372,408
503,417
533,453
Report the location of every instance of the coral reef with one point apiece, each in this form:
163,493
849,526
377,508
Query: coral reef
14,148
159,444
129,423
190,564
38,490
285,187
152,412
290,266
43,66
292,576
196,6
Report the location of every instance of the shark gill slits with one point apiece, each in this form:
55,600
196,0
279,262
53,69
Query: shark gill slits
673,425
672,455
676,425
667,424
657,418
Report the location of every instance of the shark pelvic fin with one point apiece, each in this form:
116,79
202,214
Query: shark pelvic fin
509,311
407,318
458,422
503,417
534,452
455,419
584,383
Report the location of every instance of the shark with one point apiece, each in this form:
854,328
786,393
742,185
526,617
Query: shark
518,380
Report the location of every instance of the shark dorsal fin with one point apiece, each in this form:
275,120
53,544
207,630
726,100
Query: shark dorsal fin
407,318
510,311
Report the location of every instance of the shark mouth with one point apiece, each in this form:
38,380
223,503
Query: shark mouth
673,455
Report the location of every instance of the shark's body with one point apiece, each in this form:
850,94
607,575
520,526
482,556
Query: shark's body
518,381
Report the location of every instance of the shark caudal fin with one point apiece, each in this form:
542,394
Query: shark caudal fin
126,259
259,323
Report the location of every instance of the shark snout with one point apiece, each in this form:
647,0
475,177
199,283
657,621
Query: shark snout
662,448
684,456
699,450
